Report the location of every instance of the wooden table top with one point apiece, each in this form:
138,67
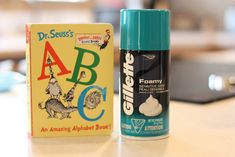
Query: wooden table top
195,130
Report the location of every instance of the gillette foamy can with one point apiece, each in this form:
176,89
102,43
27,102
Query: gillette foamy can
144,73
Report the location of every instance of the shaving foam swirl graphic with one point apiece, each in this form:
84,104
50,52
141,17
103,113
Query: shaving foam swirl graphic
151,107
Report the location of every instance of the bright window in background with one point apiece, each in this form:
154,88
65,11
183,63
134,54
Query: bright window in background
15,14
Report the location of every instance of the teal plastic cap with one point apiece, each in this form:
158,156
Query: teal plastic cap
146,29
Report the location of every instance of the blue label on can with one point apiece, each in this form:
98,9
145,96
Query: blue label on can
144,77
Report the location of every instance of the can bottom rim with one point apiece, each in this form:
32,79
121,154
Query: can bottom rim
145,138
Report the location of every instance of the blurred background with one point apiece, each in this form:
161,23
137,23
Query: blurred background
202,30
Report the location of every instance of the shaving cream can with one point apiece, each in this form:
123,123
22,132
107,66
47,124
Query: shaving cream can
144,73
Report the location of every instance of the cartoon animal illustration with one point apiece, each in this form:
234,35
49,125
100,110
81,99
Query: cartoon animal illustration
106,39
70,95
54,88
54,106
92,100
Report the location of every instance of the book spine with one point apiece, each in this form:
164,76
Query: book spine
28,74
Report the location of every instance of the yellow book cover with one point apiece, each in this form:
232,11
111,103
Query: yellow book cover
70,79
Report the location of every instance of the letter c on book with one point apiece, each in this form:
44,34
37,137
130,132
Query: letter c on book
81,102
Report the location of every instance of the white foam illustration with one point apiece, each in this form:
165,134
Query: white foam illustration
151,107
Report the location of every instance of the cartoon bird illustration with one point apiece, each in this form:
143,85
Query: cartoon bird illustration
70,95
106,39
54,88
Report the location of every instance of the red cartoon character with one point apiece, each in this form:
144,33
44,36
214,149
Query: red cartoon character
106,39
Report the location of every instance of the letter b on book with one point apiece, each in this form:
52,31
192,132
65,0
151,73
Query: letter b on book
79,65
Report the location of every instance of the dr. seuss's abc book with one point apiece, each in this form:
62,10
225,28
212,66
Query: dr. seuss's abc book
70,79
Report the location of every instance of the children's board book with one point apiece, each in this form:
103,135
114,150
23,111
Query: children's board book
70,79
